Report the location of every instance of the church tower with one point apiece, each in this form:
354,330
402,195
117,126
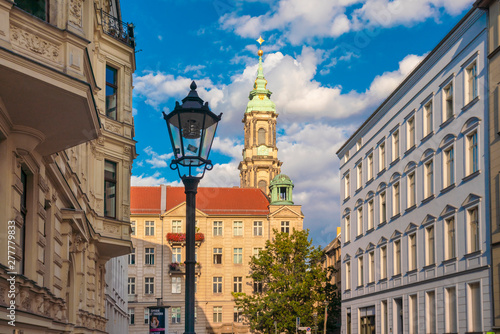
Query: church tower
260,155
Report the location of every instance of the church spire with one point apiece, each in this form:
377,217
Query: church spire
260,155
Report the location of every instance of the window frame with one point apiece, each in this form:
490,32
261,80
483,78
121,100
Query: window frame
412,189
410,133
237,284
131,285
238,255
217,255
217,285
258,230
448,100
450,238
176,226
361,272
430,245
113,86
175,315
285,226
428,110
448,166
383,262
471,91
110,181
237,228
149,228
397,257
396,199
217,228
177,285
477,236
429,178
149,285
412,252
348,275
149,256
395,145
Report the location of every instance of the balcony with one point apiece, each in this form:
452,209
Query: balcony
179,239
119,30
176,268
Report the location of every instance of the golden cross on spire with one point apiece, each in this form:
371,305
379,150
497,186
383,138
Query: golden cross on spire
260,40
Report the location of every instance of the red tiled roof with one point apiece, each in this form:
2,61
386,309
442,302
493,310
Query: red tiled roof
223,201
145,200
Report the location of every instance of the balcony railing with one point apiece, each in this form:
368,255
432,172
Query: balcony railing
180,238
119,30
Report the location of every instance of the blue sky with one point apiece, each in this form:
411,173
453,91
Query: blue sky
329,64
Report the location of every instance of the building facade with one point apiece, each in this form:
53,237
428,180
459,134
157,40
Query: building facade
415,198
66,151
233,224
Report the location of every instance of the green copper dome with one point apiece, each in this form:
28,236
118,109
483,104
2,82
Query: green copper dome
281,190
260,96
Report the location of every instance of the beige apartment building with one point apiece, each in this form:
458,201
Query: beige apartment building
66,151
493,7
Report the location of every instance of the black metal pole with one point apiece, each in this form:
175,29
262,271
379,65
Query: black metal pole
190,188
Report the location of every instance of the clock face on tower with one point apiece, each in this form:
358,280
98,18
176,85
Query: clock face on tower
263,150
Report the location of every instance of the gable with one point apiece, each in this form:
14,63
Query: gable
471,200
448,210
396,234
411,227
286,211
429,219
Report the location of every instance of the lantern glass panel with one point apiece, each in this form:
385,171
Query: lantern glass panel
176,136
207,141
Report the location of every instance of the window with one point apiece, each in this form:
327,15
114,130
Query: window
412,196
131,286
396,206
176,284
410,141
449,240
412,251
359,143
360,222
257,228
429,179
413,315
360,271
131,257
285,227
474,313
381,150
261,137
217,255
109,189
429,243
428,118
385,318
131,316
383,262
238,284
348,321
471,83
395,145
238,256
449,167
217,284
217,313
472,153
176,315
176,254
369,172
149,256
111,90
383,208
217,228
346,156
36,8
149,228
347,185
257,287
371,215
176,226
238,317
149,285
451,310
256,252
397,257
348,275
430,310
132,226
146,315
448,111
371,267
359,179
473,230
238,228
347,223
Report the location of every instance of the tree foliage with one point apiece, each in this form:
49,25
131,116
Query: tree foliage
295,284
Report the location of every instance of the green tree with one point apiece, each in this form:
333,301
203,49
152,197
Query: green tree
294,284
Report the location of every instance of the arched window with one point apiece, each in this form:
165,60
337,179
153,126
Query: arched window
262,137
263,186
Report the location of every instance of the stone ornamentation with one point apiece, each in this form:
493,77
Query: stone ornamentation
28,41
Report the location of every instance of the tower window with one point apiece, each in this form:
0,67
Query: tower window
262,137
263,186
282,193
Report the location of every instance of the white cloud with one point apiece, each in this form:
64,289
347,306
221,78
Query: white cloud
222,175
300,20
157,160
146,181
160,37
193,68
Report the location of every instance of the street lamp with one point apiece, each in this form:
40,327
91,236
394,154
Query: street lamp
191,127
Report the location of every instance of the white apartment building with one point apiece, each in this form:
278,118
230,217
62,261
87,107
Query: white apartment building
416,240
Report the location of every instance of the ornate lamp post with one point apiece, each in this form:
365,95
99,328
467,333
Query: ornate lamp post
191,127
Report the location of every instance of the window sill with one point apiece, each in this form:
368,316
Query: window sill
411,149
381,172
382,280
396,276
347,242
478,252
370,230
448,261
411,271
448,121
358,190
370,284
347,198
347,290
430,134
411,208
396,216
395,161
369,181
428,199
471,176
448,188
382,223
359,236
429,266
471,103
360,287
